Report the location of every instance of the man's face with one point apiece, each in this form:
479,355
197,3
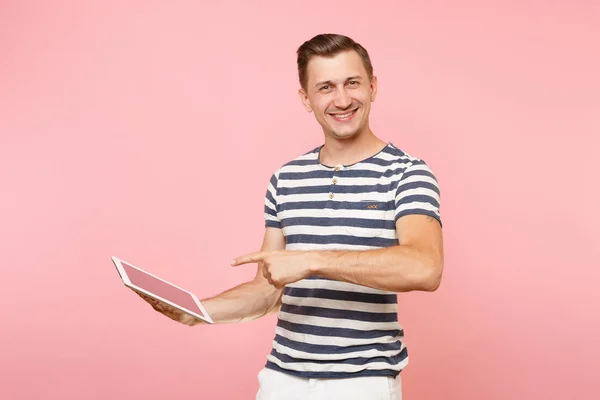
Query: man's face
338,91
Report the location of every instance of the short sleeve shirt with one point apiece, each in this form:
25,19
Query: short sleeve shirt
334,329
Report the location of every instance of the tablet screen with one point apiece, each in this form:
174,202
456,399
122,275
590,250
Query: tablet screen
161,288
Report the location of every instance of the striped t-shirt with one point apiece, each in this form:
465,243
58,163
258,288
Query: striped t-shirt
328,328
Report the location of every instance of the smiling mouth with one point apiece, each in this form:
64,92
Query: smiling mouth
345,116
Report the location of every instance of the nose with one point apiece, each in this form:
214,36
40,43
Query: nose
342,100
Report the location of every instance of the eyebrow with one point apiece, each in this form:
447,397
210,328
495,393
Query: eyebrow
329,82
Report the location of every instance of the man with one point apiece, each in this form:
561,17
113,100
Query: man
348,225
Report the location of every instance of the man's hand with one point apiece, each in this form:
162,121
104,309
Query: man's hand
170,312
416,263
280,267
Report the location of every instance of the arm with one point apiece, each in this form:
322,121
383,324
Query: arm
415,264
248,301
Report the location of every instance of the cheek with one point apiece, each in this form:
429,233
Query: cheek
364,97
320,106
321,102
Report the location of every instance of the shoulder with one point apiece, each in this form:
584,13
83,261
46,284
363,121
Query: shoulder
304,160
403,162
397,155
307,158
409,173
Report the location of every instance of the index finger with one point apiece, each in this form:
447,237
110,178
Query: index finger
249,258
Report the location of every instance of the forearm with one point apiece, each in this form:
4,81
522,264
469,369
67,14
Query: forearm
396,269
244,302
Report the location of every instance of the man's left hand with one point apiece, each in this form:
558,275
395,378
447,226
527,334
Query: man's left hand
280,267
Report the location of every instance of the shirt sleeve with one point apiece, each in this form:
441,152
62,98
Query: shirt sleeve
418,192
271,216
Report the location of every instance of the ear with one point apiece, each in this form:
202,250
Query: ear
305,100
373,88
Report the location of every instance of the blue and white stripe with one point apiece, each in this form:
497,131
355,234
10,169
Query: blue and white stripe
328,328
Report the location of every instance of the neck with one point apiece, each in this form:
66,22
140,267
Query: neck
350,150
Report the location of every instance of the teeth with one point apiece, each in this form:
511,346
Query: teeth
343,115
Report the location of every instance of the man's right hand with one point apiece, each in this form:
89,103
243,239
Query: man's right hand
170,312
244,302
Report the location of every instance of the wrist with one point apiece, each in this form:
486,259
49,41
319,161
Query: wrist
316,263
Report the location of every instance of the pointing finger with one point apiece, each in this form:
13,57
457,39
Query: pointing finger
249,258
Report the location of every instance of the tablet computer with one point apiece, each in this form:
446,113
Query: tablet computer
151,285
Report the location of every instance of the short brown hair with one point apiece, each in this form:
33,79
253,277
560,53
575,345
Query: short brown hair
329,45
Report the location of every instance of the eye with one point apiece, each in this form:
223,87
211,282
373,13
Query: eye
353,83
325,87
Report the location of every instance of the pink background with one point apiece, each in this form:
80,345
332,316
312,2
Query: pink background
148,130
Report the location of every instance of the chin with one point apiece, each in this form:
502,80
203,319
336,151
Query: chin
345,134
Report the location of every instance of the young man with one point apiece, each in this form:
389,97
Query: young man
348,225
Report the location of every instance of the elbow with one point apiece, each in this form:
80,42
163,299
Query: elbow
432,278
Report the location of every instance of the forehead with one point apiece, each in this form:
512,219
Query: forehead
336,68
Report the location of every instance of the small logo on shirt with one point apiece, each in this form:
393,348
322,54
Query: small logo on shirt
372,206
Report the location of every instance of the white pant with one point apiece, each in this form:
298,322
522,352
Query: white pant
274,385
